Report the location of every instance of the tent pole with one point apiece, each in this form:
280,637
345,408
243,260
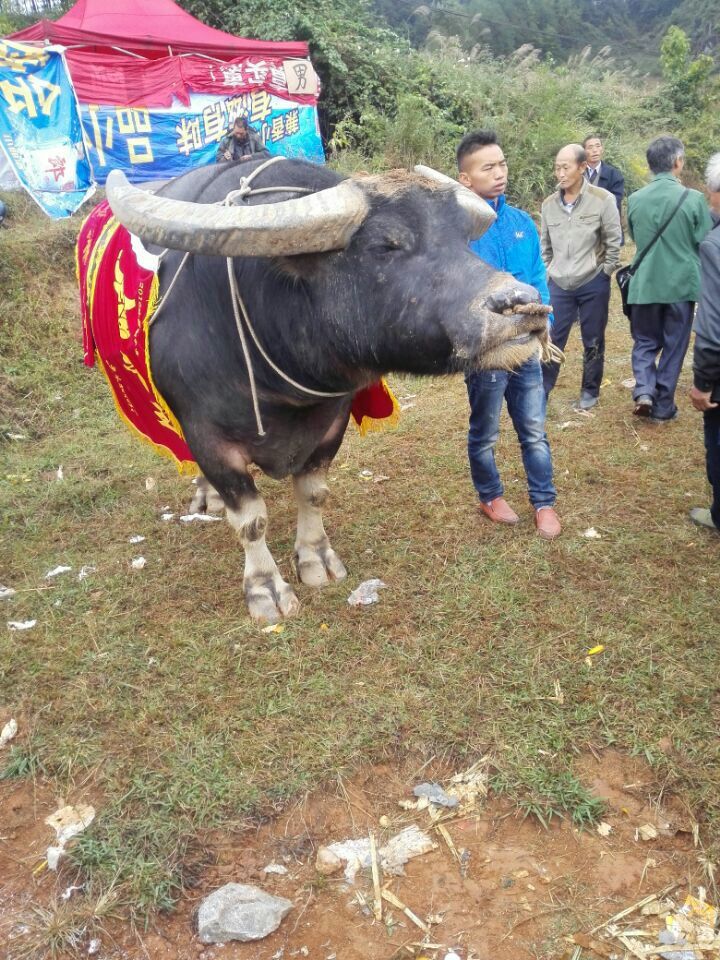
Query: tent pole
129,53
206,56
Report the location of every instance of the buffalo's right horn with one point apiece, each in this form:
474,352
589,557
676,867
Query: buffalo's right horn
315,223
481,214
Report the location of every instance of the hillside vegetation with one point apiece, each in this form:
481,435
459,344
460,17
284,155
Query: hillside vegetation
402,82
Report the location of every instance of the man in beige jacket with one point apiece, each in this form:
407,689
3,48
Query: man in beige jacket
580,240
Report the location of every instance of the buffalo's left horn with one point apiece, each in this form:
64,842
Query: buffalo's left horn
481,214
315,223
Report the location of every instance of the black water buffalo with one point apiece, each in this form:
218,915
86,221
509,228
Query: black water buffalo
342,280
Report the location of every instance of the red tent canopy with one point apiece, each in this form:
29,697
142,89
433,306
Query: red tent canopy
151,28
111,41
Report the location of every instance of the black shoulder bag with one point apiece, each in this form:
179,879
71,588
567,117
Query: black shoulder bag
625,274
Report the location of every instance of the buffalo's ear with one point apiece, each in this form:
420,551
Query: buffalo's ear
302,266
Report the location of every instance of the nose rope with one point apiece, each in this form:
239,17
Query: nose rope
549,352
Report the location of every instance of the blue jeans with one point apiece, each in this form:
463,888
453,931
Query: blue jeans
523,390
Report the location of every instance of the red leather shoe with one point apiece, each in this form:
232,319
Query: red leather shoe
499,511
547,523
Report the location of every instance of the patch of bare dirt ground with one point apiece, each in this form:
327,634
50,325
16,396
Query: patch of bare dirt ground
524,892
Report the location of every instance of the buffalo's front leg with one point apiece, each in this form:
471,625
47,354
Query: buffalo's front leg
225,465
269,597
315,560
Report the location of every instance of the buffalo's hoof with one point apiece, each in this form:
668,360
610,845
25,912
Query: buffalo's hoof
270,599
317,566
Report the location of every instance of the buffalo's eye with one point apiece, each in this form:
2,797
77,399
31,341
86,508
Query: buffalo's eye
388,245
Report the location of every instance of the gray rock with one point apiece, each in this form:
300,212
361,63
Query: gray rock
435,794
238,911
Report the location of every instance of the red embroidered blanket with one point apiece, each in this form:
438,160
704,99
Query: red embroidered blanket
117,299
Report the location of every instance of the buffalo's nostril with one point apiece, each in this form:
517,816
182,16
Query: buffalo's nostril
527,295
511,296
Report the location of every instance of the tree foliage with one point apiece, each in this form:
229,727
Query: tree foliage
689,93
687,80
354,51
560,28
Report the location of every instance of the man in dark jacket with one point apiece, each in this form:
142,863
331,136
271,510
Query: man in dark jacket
705,392
240,144
600,173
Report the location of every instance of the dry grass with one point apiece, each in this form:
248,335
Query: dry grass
154,688
63,929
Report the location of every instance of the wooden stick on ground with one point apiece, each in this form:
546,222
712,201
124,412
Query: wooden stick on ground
635,951
443,831
637,906
392,899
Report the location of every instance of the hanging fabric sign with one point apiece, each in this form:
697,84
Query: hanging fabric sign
187,106
40,129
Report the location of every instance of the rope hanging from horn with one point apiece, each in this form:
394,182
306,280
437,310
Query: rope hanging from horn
240,310
241,193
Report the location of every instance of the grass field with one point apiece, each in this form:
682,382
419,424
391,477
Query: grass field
153,690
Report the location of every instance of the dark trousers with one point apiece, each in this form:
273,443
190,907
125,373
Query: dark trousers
712,455
661,334
588,304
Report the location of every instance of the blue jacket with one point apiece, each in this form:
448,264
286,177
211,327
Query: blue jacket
512,244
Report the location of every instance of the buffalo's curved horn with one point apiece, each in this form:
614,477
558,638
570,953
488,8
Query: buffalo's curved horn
481,214
315,223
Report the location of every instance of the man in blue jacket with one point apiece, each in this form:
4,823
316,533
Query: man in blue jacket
510,244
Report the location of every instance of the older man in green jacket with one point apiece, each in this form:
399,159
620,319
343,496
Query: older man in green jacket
666,286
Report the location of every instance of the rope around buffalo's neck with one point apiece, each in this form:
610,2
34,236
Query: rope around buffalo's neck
235,297
240,310
241,314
